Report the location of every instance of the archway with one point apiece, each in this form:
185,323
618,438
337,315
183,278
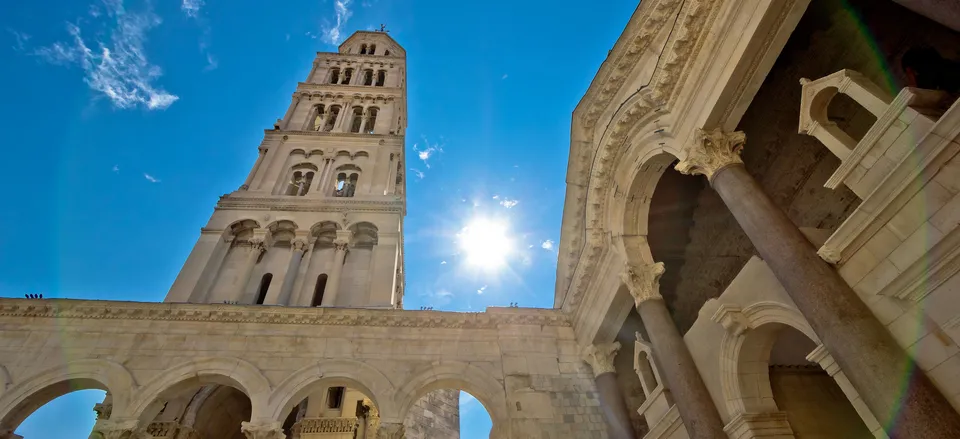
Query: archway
69,416
448,413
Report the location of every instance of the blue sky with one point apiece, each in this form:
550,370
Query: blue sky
125,120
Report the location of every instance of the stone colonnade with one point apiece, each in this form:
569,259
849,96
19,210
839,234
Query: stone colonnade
848,329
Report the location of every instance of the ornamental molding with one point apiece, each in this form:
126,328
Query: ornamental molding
339,59
227,313
643,281
270,132
600,357
327,425
343,89
302,204
347,96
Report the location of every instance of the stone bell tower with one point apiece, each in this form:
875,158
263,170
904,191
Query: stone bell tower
319,219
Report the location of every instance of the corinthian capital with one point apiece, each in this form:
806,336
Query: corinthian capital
257,245
711,152
643,282
391,431
270,430
600,357
341,244
298,245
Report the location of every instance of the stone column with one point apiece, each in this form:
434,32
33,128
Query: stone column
302,286
267,430
600,357
700,416
333,280
253,172
850,332
391,430
298,246
243,277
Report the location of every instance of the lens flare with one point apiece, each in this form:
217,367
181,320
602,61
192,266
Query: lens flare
485,243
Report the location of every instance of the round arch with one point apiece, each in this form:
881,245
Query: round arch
745,354
188,375
461,376
341,372
28,395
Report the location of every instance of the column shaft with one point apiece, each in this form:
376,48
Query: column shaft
908,409
700,416
303,283
293,269
243,278
333,281
613,407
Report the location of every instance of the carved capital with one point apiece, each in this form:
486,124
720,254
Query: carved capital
391,430
600,357
299,245
712,151
829,254
128,429
643,282
257,246
103,410
341,245
269,430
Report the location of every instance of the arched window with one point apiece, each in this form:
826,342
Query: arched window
347,76
368,77
300,181
363,49
381,78
347,180
331,118
318,290
317,122
264,286
357,119
334,75
371,120
386,53
373,49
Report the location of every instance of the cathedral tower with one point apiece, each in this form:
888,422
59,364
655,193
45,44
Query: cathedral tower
319,219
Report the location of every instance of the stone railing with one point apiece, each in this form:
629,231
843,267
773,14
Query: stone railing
326,425
162,429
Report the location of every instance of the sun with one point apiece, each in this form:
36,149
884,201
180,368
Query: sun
485,243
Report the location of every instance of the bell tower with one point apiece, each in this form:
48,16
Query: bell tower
319,219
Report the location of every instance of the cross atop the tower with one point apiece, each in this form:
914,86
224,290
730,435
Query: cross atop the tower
383,28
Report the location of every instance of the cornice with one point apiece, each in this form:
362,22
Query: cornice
342,88
340,58
301,204
225,313
273,133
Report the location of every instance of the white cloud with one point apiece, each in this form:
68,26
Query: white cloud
428,151
211,63
333,34
418,173
505,76
547,245
191,7
119,70
482,289
20,39
151,178
443,262
116,168
508,203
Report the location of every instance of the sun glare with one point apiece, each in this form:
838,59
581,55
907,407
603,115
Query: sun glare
485,243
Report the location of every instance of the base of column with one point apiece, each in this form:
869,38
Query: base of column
759,425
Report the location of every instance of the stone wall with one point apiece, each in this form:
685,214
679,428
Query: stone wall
436,415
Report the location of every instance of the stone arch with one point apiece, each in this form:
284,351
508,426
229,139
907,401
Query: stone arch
239,227
5,380
339,372
745,352
461,376
25,397
189,375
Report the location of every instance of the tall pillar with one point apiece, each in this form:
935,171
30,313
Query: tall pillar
699,414
302,285
893,387
243,278
600,357
297,247
253,172
266,430
333,281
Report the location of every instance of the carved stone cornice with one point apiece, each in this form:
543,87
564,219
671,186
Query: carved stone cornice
344,89
341,135
304,204
228,313
643,282
600,357
272,430
712,151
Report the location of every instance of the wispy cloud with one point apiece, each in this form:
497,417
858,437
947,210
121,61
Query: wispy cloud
418,173
211,63
427,150
547,245
20,39
119,69
333,33
191,7
151,178
443,262
482,289
508,203
116,168
505,76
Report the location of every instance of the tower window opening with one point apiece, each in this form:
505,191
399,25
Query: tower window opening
357,119
334,75
264,286
386,53
318,290
318,119
335,397
346,186
332,118
363,49
381,78
373,49
347,76
371,120
368,77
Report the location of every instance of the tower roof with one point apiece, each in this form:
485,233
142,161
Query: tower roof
383,39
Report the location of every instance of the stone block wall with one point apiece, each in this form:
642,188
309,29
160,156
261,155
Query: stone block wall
436,415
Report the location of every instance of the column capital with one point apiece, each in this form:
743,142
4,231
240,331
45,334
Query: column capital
600,357
257,245
267,430
298,245
341,244
126,429
712,151
391,430
643,281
